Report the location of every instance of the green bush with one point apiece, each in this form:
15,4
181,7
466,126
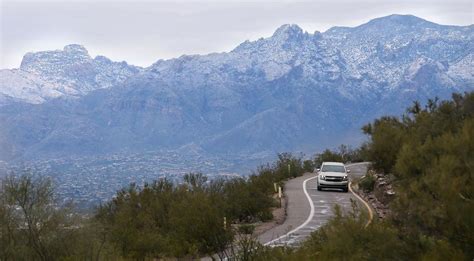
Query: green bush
308,166
343,154
246,229
265,215
346,236
367,183
430,153
33,226
288,166
386,135
163,220
327,155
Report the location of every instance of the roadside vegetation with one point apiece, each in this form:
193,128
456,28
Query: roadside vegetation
156,220
343,153
429,151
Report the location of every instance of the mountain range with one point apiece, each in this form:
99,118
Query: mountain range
292,91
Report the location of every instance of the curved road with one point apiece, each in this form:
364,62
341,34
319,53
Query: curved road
303,217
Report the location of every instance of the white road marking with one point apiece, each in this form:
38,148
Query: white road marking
291,236
310,217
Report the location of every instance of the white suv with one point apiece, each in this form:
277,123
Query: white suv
333,175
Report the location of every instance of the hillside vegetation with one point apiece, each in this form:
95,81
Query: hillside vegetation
430,152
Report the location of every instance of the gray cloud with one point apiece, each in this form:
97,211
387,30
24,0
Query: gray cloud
145,31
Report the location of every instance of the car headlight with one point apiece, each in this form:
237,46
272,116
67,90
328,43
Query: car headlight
344,178
322,177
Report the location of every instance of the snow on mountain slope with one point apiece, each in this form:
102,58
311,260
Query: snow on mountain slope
70,72
28,87
372,57
291,91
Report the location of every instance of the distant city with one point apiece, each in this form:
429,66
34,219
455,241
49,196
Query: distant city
89,181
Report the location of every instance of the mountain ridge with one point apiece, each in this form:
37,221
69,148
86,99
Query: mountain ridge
292,91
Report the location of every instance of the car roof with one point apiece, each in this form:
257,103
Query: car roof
333,163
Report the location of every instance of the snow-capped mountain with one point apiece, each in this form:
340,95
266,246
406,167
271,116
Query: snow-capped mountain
294,90
69,72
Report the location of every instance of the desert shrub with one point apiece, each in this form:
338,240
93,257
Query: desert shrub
386,136
34,226
343,153
327,155
288,166
308,166
246,229
367,183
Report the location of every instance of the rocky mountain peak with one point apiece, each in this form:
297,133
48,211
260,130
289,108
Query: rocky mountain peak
288,31
67,72
397,20
51,61
76,49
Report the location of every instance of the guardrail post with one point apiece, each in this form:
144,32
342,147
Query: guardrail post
279,194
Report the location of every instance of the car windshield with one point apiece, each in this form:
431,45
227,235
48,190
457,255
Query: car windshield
333,168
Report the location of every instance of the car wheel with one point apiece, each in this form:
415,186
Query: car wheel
319,188
346,189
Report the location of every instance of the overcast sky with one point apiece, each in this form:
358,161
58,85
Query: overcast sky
141,32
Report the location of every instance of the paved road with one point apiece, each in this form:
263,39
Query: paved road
304,217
